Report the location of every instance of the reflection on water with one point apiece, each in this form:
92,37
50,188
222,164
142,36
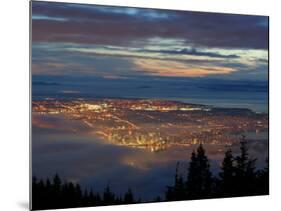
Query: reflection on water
66,146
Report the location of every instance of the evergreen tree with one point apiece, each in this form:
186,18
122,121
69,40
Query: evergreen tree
242,159
262,186
245,174
177,191
157,199
227,174
192,177
85,198
97,199
129,197
55,189
199,180
179,188
78,195
108,196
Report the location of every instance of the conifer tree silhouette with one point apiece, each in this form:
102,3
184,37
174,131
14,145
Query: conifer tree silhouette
129,197
199,180
227,174
177,191
262,184
245,174
108,196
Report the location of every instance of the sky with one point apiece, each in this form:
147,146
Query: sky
119,43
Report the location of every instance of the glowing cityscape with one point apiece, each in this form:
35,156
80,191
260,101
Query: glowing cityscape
156,124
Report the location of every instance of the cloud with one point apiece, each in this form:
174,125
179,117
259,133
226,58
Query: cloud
120,62
195,52
179,69
61,68
149,53
119,26
43,83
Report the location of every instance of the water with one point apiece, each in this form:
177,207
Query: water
229,94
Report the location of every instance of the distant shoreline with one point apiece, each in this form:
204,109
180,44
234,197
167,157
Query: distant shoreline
96,98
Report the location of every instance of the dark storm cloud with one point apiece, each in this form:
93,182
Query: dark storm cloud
193,52
59,22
